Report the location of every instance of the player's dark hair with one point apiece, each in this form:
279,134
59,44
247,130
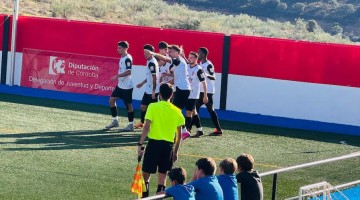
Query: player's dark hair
166,91
204,50
208,166
228,165
123,44
194,54
175,47
177,174
245,162
149,47
163,45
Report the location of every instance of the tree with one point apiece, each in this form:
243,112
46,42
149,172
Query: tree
311,25
336,29
281,6
299,7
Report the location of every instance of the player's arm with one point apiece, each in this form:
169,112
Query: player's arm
128,64
152,68
182,54
141,83
144,134
201,77
158,56
211,70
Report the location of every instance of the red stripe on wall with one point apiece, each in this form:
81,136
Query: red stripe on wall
2,18
101,39
295,60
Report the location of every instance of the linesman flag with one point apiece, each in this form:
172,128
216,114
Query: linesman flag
138,183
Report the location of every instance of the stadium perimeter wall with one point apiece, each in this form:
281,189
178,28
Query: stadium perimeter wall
274,82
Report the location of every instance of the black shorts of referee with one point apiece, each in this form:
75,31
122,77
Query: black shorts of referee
124,94
180,98
158,157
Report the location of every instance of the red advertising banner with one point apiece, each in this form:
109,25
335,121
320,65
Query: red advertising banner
68,72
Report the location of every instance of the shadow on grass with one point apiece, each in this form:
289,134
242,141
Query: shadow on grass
227,125
65,140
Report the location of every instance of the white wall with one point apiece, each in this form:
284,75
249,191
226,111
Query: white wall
296,100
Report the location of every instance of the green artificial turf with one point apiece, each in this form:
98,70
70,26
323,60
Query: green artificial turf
58,150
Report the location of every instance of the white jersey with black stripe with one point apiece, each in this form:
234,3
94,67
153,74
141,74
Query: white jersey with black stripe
125,64
165,69
180,73
209,69
196,77
152,68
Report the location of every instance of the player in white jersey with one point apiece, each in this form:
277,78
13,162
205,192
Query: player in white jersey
124,88
151,83
196,78
166,76
181,82
209,70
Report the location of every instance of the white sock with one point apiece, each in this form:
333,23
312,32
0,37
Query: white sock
131,122
115,118
199,129
184,130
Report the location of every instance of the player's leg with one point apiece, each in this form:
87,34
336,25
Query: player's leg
199,103
196,121
143,107
113,109
127,98
214,117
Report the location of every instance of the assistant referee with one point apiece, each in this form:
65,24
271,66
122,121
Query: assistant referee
162,121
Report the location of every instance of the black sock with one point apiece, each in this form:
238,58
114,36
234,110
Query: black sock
188,122
192,123
215,120
143,113
113,111
146,193
196,121
160,188
131,116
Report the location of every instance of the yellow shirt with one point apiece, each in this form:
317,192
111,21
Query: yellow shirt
165,118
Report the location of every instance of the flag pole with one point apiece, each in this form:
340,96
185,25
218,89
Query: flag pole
13,41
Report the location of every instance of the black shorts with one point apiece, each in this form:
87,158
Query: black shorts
181,97
191,104
124,94
147,99
158,155
200,102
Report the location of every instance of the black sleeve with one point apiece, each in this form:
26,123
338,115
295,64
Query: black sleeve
128,63
152,67
211,69
201,75
175,61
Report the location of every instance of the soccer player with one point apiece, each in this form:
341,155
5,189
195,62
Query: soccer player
163,120
181,81
152,84
196,78
166,76
209,70
124,87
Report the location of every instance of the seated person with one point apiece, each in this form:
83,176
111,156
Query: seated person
227,179
205,182
178,190
251,186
